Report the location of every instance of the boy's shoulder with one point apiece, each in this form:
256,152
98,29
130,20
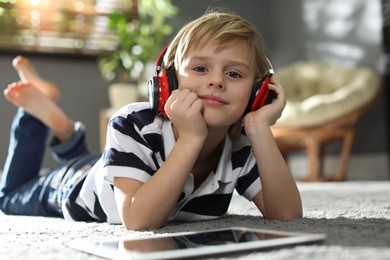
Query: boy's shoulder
138,114
136,109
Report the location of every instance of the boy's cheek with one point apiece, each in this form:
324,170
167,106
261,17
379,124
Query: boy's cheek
182,84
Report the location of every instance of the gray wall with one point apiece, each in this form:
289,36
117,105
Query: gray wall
84,92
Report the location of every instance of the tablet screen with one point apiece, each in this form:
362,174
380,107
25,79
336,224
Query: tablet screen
192,244
196,240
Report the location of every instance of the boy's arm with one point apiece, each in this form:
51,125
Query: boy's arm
148,205
279,198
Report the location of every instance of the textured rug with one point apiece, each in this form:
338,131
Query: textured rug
355,216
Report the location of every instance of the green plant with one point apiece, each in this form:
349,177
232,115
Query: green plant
140,31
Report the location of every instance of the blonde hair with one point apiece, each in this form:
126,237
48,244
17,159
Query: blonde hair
222,28
219,27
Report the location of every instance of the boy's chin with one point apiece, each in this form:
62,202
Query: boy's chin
214,121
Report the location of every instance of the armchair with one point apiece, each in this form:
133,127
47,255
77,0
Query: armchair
324,102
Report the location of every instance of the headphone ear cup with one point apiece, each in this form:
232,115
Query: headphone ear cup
153,93
172,80
260,96
168,84
163,90
160,88
252,98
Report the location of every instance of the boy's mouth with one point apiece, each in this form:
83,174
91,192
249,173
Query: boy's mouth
213,100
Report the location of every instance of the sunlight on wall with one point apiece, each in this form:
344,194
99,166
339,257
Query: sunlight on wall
60,26
346,32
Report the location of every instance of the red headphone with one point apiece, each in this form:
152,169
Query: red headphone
164,82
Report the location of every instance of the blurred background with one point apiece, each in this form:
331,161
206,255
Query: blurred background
65,40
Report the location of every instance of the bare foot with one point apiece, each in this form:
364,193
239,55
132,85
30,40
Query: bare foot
37,104
28,73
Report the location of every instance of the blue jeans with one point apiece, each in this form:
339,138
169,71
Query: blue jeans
23,191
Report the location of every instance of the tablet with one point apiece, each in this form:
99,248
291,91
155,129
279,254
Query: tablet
194,244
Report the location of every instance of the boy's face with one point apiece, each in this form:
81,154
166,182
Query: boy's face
222,77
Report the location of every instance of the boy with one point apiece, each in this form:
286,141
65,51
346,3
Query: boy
180,167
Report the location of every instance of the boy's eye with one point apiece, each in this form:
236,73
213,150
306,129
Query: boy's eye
200,69
233,74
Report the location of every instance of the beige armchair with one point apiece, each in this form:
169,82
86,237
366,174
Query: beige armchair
324,102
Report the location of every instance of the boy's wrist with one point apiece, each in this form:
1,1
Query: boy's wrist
191,140
255,128
258,133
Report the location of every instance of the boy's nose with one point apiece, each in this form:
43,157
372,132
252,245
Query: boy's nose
216,80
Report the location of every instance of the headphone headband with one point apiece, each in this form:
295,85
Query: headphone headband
160,58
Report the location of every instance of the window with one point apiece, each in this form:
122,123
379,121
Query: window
56,26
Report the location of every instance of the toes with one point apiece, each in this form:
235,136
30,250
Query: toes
16,87
18,61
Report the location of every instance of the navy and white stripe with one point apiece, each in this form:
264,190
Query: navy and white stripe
136,146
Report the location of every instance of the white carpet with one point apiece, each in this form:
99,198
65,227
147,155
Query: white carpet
355,216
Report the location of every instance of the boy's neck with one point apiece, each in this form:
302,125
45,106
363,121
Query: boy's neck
213,144
214,141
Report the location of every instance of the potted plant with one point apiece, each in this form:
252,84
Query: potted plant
139,32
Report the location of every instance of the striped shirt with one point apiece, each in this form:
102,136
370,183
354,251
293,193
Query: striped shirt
137,145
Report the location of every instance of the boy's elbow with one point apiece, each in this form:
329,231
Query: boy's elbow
291,216
140,226
285,215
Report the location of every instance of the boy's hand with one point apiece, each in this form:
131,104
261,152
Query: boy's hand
185,110
270,113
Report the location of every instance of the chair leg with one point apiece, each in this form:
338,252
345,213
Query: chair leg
321,159
314,159
345,154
